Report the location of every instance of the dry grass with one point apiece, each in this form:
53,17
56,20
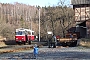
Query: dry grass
85,42
16,50
2,41
2,44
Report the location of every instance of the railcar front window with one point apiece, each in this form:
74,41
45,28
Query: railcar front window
32,33
20,33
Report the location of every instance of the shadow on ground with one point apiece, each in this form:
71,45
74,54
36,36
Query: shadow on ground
10,42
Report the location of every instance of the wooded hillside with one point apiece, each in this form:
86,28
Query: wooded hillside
56,19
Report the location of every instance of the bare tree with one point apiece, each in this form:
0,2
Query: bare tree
65,17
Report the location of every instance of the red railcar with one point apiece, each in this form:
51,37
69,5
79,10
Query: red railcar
24,36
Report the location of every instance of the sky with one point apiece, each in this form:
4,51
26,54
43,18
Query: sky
41,3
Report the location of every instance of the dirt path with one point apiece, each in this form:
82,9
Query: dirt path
64,53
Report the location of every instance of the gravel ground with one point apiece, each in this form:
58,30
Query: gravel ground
68,53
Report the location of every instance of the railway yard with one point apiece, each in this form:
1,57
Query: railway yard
60,32
25,52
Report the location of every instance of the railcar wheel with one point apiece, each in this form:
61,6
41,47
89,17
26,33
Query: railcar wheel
75,43
24,43
18,43
29,42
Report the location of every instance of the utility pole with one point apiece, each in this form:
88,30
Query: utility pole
39,24
31,24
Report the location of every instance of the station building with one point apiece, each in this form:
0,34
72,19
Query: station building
82,17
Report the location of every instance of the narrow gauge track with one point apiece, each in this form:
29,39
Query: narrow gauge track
15,48
45,53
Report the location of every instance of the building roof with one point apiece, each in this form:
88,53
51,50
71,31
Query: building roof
77,2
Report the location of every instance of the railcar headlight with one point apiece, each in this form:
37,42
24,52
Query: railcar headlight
22,38
16,38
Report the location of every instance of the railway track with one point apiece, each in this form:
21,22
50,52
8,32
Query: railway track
17,48
45,53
